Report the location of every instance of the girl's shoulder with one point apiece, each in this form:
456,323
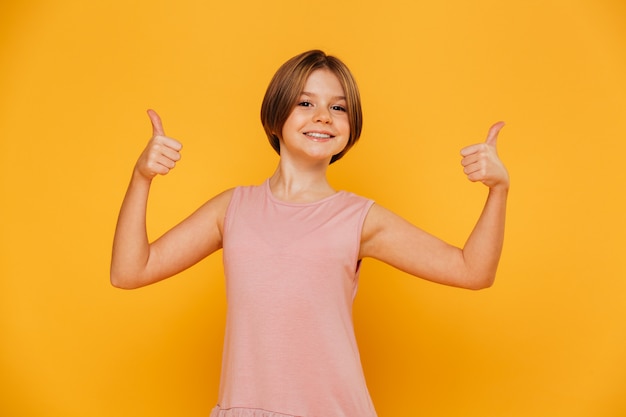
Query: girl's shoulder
217,205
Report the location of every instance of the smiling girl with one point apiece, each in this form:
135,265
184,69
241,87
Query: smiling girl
292,248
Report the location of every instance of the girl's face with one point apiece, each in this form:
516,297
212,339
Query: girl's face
318,125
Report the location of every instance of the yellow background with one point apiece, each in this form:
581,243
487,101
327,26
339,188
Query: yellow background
77,76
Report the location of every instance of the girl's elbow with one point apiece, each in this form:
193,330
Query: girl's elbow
117,282
124,282
480,283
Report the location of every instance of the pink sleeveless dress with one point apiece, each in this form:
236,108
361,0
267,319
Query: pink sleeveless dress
291,278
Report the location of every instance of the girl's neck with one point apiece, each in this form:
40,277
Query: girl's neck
300,185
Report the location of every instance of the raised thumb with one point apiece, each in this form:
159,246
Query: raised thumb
157,126
492,136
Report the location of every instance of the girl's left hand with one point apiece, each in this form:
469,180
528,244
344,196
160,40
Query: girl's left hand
481,161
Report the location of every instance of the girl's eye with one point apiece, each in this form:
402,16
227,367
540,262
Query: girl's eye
305,104
338,108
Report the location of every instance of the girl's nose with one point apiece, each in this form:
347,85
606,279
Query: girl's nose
323,115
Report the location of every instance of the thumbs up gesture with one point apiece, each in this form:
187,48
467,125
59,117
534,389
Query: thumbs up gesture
161,153
481,161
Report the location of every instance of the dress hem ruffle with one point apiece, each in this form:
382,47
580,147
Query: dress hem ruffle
245,412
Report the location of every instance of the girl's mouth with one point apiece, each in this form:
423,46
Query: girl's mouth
318,135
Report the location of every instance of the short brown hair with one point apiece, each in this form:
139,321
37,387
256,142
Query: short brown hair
287,84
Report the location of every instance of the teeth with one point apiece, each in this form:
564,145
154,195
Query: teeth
318,135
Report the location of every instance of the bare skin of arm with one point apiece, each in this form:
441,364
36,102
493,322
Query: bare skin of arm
135,261
391,239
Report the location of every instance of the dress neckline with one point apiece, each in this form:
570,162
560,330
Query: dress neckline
272,197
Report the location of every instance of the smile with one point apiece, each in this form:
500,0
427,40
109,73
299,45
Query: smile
317,135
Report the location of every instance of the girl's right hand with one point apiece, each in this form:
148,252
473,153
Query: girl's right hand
161,153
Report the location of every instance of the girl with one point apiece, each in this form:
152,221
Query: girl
292,248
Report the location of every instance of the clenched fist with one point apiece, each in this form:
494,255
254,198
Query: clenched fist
481,161
161,153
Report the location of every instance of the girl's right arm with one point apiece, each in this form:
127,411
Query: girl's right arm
135,261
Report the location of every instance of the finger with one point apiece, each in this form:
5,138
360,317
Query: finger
468,150
161,165
158,168
472,169
157,126
492,136
476,176
153,166
470,159
169,152
168,163
169,143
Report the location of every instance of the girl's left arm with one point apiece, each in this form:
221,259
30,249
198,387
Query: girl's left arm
391,239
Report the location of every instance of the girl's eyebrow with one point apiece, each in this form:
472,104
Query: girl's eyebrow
305,93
